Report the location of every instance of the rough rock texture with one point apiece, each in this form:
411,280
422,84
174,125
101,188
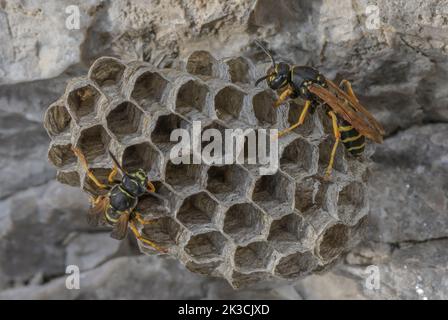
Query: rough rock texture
399,70
222,220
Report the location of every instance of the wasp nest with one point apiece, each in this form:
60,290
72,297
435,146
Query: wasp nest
221,220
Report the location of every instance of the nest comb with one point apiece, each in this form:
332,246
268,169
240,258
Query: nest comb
225,220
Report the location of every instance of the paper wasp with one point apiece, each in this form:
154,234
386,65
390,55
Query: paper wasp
117,207
351,122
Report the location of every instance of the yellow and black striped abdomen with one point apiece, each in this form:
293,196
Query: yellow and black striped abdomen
353,141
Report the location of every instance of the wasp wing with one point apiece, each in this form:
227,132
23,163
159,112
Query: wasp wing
357,106
96,212
121,227
344,108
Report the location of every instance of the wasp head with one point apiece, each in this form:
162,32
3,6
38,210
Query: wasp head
277,75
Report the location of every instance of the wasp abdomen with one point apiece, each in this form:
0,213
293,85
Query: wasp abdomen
353,141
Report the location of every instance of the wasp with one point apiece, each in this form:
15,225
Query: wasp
117,207
351,121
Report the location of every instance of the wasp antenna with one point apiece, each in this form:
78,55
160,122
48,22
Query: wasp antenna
263,78
266,51
116,162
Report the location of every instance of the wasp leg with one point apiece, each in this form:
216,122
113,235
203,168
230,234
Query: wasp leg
142,239
301,119
151,187
337,136
348,88
89,172
112,174
285,94
142,221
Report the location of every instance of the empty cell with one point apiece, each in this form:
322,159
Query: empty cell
106,72
101,174
351,201
333,241
256,255
286,229
149,88
124,120
82,101
263,105
164,232
142,156
191,96
182,175
309,193
243,222
197,209
274,193
201,63
295,265
94,142
208,245
228,103
298,158
61,155
239,70
202,268
240,280
150,206
70,178
57,119
164,126
227,181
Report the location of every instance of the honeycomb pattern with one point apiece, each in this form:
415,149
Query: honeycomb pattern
222,220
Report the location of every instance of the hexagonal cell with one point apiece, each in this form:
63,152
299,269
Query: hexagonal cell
106,72
254,256
299,159
201,63
263,105
149,88
57,119
286,229
309,193
197,210
101,174
208,147
240,280
202,268
227,183
333,241
164,232
239,70
274,193
295,265
142,156
191,96
180,176
61,155
244,222
228,103
82,101
94,142
351,201
154,206
305,129
70,178
204,246
124,120
165,124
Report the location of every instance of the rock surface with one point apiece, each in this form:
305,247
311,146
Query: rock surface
399,70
